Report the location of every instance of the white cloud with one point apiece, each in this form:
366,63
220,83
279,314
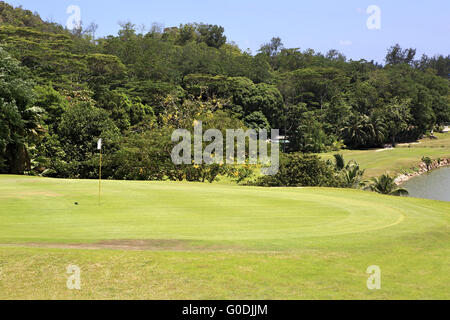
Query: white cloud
345,42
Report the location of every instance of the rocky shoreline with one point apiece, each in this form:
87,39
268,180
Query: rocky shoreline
422,169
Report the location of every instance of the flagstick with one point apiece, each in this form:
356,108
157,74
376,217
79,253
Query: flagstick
100,178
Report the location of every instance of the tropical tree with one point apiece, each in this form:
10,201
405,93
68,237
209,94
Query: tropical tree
298,169
20,126
428,162
81,126
397,117
353,176
339,161
272,48
316,86
379,129
212,35
358,131
257,120
385,184
397,55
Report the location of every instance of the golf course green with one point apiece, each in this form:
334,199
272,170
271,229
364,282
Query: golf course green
168,240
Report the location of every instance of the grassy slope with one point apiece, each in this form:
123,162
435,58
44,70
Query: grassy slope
400,159
219,241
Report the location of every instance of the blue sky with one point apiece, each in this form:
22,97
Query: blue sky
317,24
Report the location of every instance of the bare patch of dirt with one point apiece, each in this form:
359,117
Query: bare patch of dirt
139,245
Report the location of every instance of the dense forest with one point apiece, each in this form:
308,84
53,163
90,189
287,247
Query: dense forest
61,90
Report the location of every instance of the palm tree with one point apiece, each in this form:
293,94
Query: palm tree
350,172
339,161
359,131
385,184
379,131
353,176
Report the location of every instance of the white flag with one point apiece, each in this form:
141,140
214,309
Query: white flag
99,144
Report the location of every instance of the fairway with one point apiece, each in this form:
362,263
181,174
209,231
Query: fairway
403,158
244,242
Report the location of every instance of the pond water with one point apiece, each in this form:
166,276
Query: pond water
433,185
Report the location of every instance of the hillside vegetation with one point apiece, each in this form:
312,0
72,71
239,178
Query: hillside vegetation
60,91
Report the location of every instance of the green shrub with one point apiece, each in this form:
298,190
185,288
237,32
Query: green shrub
301,170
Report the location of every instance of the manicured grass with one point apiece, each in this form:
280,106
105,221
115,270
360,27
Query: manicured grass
201,241
401,159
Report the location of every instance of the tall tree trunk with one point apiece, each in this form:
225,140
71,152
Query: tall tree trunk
19,159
